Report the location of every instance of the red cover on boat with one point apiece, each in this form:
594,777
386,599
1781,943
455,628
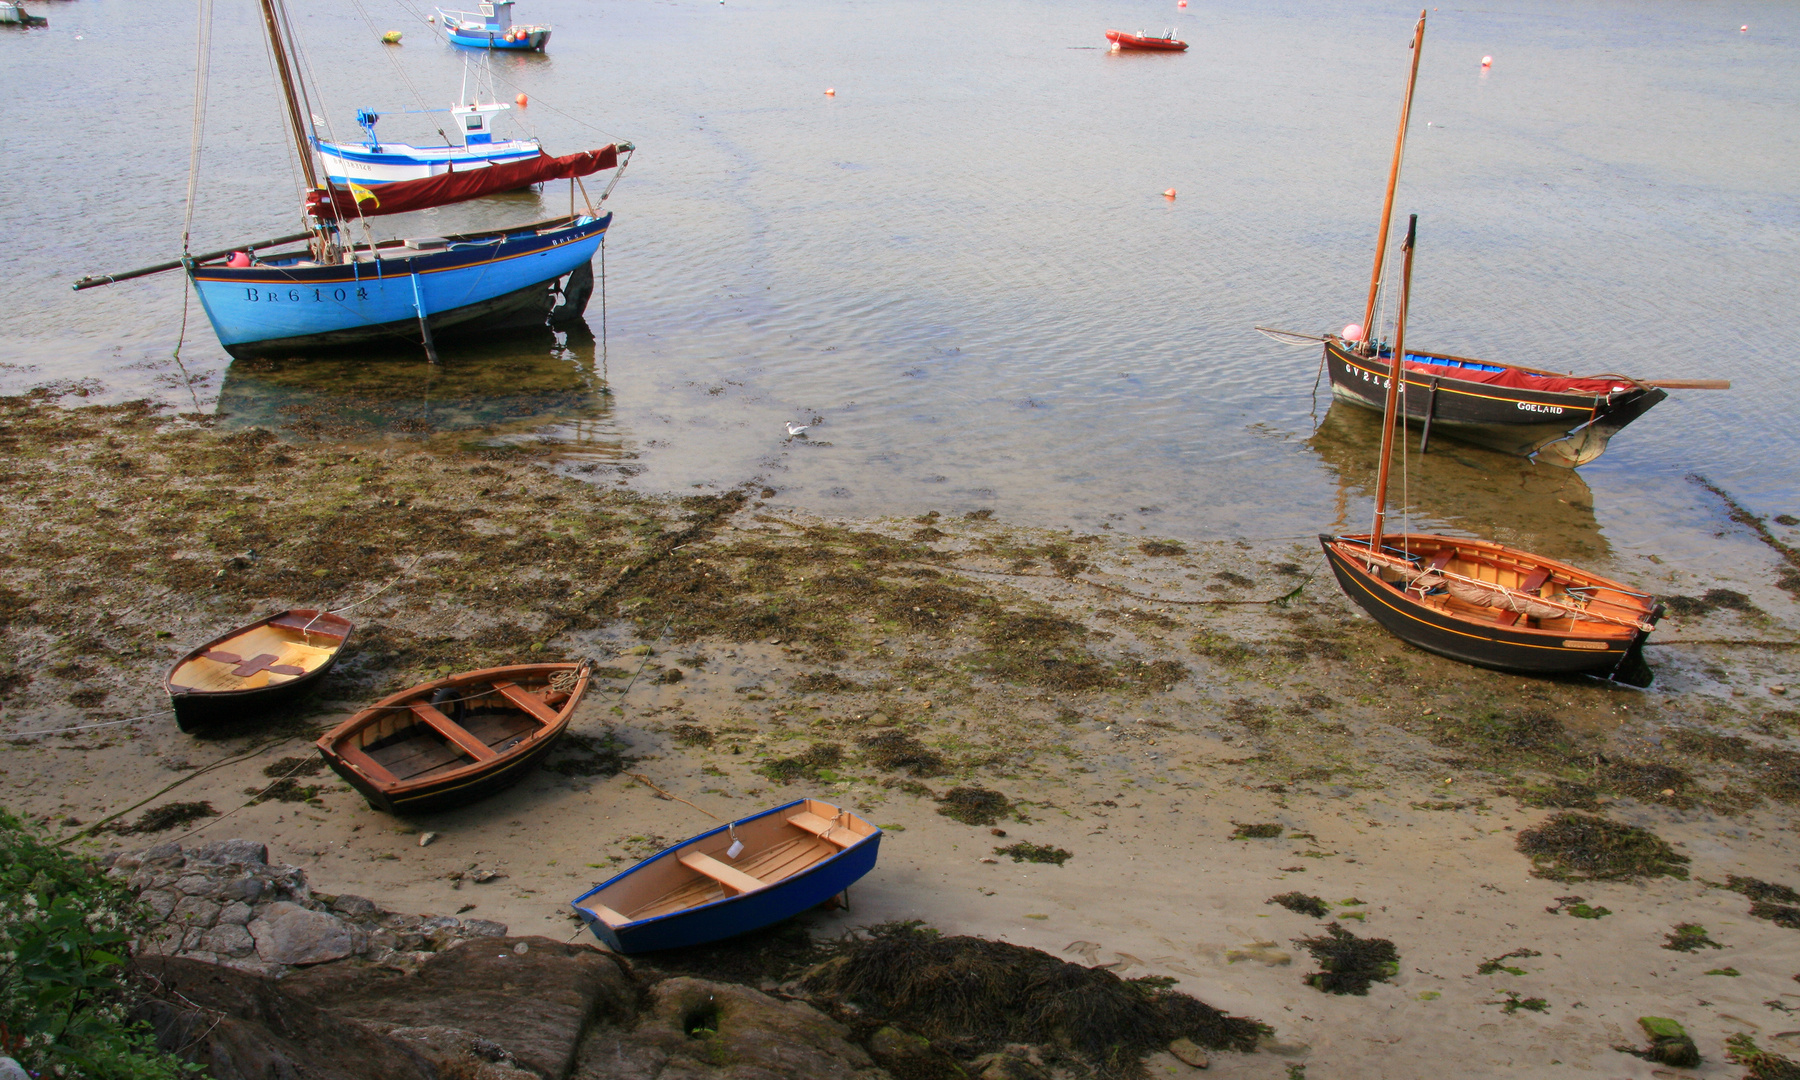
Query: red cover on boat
1514,379
404,195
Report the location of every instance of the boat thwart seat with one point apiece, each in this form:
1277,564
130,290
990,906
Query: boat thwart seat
730,877
605,914
451,730
824,828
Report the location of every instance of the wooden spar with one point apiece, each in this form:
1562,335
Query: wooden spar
296,119
1395,377
176,264
1387,203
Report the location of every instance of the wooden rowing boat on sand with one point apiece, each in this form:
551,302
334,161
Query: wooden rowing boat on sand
1497,607
458,739
254,668
739,877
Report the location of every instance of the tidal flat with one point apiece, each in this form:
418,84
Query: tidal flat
1194,762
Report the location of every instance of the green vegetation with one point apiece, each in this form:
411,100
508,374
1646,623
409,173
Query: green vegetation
1580,847
64,932
1499,963
1302,904
1349,964
1037,853
974,806
1255,832
1670,1044
1689,937
1741,1049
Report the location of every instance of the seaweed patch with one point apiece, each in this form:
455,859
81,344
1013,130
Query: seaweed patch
1580,847
1349,964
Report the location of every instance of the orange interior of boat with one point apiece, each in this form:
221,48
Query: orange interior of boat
776,846
417,740
1523,577
281,649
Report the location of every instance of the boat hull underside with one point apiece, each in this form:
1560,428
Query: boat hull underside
1519,651
262,310
1557,428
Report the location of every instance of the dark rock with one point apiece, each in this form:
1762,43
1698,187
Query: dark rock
355,907
458,1053
535,1004
287,933
695,1029
905,1054
241,1026
240,852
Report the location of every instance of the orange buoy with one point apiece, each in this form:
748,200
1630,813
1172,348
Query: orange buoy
522,100
830,91
1487,61
1181,3
1745,29
1169,194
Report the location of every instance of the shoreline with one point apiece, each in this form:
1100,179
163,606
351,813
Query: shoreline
888,663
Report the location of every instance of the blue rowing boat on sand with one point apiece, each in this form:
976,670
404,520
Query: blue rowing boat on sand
739,877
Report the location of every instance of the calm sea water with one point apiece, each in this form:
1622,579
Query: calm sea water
961,267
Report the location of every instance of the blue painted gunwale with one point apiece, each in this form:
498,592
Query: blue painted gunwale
270,302
733,915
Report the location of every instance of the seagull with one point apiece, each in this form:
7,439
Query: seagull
794,429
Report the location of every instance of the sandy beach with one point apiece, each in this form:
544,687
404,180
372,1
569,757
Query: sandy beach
1199,728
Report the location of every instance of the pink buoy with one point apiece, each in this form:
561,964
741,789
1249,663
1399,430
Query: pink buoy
830,91
1487,61
239,260
1745,29
1352,332
1169,194
522,100
1181,3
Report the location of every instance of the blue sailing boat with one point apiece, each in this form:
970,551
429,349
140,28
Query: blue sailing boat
334,292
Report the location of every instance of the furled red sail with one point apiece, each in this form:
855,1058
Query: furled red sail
397,198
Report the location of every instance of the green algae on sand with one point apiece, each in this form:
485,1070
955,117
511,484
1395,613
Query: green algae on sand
1581,847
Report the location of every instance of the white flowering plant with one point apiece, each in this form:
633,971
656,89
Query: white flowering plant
65,933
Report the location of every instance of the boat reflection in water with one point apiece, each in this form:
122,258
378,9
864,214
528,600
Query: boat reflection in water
545,385
1463,489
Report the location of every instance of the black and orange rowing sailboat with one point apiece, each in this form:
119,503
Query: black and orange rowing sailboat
449,742
1481,602
1553,417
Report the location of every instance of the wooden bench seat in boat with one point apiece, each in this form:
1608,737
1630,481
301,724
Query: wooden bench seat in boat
824,828
451,730
729,876
526,700
602,912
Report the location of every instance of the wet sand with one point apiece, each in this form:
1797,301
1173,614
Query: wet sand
1096,682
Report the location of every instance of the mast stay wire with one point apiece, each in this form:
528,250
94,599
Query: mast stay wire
202,69
399,68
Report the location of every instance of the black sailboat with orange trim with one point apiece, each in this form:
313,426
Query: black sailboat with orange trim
1556,418
1481,602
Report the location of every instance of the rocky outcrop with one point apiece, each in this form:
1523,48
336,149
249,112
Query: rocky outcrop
224,903
530,996
692,1029
242,1026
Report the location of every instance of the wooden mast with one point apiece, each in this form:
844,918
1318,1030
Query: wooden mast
296,118
1396,375
1387,204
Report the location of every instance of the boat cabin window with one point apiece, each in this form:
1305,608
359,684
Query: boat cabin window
473,123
